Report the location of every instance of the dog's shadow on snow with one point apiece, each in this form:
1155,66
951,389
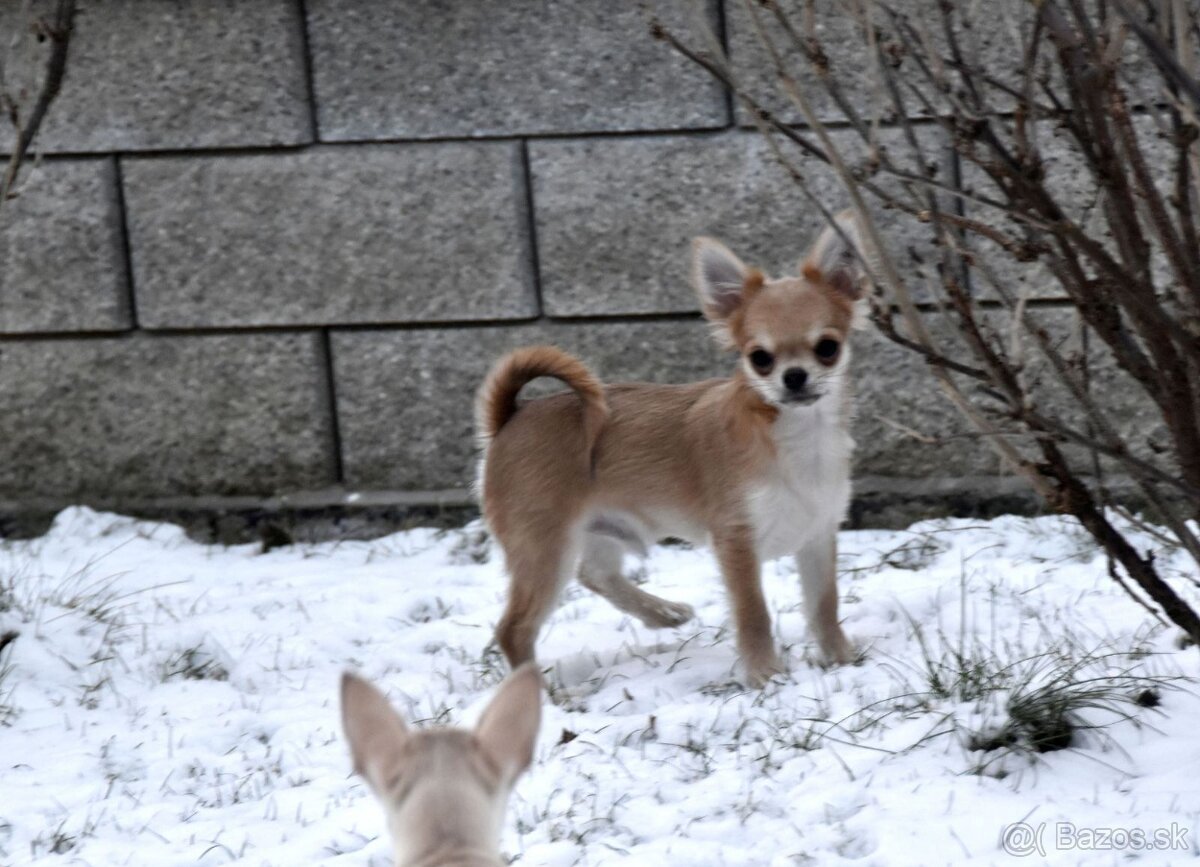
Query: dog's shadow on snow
700,660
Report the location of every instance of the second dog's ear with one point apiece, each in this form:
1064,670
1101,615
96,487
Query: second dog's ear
509,726
834,258
721,280
375,731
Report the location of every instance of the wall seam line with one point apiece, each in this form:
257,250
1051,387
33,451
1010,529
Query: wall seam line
335,426
307,62
126,243
535,262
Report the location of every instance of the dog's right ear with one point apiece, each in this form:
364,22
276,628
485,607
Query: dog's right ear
509,726
722,281
376,733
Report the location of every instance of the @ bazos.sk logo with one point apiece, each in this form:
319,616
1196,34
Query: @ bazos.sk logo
1022,838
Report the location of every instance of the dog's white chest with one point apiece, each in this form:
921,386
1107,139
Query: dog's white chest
805,493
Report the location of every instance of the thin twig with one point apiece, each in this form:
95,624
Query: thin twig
58,32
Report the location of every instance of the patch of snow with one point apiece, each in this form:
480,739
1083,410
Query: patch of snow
176,703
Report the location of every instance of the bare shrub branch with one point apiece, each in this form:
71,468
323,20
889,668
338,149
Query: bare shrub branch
56,29
1066,169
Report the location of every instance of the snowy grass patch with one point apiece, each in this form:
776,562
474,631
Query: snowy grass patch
169,703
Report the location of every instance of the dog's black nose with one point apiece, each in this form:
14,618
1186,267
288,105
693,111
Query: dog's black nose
794,378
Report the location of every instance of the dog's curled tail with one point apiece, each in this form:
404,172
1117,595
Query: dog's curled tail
497,400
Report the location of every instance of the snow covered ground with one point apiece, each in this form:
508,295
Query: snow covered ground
172,703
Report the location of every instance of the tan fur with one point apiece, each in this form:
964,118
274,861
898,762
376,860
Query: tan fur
444,790
497,401
698,461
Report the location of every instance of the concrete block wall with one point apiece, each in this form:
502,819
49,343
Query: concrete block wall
272,246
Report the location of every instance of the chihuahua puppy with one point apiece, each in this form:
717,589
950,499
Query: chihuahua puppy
754,466
445,789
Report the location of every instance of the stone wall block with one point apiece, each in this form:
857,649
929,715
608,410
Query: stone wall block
615,217
144,416
839,33
428,68
1074,187
157,75
352,234
62,254
406,398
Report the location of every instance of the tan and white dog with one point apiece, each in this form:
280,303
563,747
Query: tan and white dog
755,466
445,790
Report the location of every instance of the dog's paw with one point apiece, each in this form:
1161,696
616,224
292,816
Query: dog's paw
835,650
663,614
761,668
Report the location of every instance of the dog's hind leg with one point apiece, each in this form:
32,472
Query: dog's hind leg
600,571
538,567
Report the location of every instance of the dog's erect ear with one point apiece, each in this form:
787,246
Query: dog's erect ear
722,281
509,725
833,260
375,731
718,276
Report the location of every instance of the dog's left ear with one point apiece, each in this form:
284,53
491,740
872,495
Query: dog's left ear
509,726
833,260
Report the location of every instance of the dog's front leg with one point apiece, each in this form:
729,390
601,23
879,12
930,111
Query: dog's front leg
817,564
740,569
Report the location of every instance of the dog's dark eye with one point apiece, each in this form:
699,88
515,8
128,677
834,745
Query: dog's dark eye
762,361
826,350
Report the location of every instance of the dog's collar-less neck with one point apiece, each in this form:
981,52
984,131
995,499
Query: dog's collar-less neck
747,399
